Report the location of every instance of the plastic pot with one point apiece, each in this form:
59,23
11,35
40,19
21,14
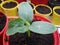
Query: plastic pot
36,17
46,14
56,16
53,3
10,8
3,29
36,2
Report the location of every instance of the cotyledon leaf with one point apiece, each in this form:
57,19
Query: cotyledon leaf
14,30
25,11
17,25
41,27
16,22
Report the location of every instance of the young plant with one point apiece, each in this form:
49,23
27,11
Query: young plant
23,24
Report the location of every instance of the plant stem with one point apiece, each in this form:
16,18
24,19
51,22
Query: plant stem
28,30
27,23
28,33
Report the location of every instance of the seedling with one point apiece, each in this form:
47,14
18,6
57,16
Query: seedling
23,24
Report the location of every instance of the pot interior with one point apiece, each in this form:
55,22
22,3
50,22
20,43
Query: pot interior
9,5
2,21
35,39
43,9
57,11
53,3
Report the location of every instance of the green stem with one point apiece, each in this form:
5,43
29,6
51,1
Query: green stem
27,23
28,33
28,30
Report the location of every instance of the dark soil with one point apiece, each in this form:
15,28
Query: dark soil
2,21
39,39
53,3
43,9
57,11
35,39
18,39
0,1
10,5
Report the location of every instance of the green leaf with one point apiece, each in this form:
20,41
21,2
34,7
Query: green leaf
23,29
17,25
16,22
41,27
25,11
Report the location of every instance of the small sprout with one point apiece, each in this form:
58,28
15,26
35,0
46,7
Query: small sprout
23,24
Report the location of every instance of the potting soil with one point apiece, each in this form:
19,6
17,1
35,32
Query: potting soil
34,39
43,10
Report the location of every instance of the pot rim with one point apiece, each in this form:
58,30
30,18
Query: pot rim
5,24
56,38
45,6
56,7
9,8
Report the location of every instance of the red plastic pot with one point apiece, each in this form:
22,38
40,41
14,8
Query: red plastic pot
4,29
19,1
36,17
36,2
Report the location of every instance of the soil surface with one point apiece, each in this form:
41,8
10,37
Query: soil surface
10,5
57,11
39,39
35,39
18,39
2,21
43,9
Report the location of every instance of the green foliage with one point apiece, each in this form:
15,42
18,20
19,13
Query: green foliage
23,24
17,25
25,11
42,27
